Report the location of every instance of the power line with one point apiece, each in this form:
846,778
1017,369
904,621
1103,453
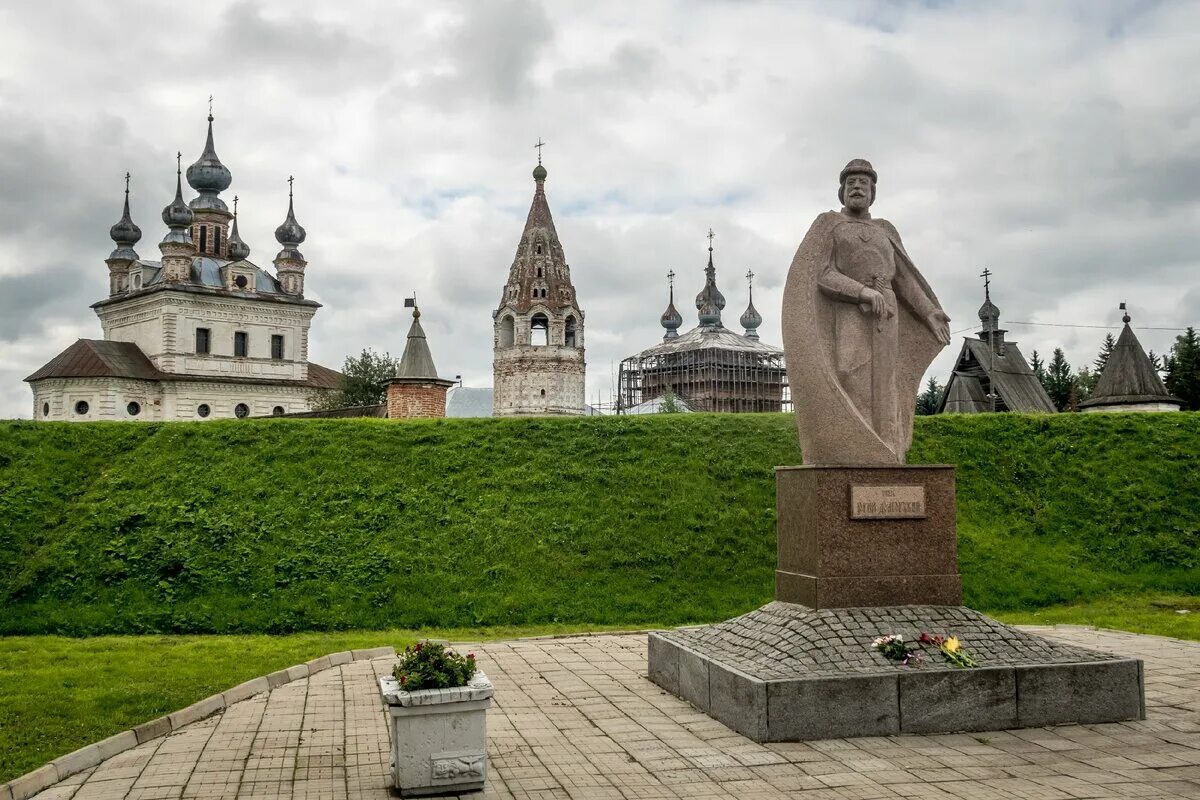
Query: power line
1100,327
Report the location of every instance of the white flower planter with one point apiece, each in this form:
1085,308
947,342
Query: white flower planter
439,736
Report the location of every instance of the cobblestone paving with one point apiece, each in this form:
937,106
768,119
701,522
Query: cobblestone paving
577,718
782,640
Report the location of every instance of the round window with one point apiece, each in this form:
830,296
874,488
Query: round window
241,410
203,410
240,281
133,409
82,407
277,411
45,409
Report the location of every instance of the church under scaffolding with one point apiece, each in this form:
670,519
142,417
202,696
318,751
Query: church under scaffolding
709,368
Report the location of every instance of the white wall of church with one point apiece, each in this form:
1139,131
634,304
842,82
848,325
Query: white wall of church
164,325
105,398
57,399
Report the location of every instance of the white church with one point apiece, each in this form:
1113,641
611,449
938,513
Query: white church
203,333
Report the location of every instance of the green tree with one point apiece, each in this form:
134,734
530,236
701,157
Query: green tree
1156,362
929,400
668,404
1085,383
1183,369
1059,382
1039,367
364,382
1106,348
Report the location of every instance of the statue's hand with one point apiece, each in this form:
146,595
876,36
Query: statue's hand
939,323
874,299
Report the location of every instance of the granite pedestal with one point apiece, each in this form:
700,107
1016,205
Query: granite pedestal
864,552
866,536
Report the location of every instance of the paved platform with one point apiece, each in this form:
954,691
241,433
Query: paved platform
577,718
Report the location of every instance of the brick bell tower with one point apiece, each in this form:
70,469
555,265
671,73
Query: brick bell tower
538,357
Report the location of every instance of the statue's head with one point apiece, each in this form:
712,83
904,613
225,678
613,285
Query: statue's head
857,191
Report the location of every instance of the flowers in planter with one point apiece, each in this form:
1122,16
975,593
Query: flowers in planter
426,665
951,648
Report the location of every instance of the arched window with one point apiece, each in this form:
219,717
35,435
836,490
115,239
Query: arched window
539,330
569,333
507,332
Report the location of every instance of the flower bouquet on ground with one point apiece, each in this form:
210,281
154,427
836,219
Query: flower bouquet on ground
427,665
951,648
893,647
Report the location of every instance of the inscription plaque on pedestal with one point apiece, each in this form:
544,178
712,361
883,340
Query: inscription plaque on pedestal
887,502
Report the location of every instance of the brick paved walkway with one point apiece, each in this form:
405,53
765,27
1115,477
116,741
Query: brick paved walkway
576,718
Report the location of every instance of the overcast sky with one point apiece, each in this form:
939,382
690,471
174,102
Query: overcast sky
1056,143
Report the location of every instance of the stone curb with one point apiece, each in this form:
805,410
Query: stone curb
63,767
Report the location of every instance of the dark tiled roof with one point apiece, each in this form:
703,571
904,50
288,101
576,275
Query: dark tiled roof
323,377
99,358
1129,377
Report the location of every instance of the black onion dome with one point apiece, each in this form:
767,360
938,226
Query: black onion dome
177,214
671,318
751,319
237,250
125,233
710,302
208,176
290,233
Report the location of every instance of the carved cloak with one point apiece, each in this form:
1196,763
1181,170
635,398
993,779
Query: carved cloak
832,430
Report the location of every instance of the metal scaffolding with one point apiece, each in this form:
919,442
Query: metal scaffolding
713,372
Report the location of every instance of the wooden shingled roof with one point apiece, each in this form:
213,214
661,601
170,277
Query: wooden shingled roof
1129,378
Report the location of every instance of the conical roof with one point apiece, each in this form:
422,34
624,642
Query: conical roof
1129,378
417,361
539,274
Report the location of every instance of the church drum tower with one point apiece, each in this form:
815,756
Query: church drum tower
538,361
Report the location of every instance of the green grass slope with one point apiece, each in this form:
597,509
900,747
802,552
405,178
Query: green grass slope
285,525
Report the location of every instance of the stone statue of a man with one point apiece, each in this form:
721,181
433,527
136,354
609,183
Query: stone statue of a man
860,327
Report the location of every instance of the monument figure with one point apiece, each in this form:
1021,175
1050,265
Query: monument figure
866,545
860,327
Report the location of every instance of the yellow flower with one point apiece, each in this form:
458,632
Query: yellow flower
952,645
